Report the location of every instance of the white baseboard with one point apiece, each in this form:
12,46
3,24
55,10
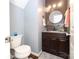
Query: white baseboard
37,54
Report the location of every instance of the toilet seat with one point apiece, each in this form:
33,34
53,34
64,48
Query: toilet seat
22,51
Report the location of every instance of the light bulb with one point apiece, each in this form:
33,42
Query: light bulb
59,4
54,5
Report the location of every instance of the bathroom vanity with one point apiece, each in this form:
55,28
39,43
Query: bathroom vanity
56,43
55,39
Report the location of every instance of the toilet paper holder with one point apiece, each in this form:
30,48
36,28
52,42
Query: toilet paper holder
7,39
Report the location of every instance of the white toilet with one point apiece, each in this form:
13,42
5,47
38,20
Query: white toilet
21,51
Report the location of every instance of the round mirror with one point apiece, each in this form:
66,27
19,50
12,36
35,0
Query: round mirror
55,16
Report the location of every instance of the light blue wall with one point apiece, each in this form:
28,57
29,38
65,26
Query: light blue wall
41,4
33,25
29,22
16,19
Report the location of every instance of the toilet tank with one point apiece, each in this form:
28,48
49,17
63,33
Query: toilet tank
15,41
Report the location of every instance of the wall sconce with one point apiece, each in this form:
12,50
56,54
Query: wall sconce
41,12
44,23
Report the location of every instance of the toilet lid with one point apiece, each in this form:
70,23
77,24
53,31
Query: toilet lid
23,49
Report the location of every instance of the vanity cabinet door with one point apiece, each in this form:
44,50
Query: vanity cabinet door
62,44
53,44
62,47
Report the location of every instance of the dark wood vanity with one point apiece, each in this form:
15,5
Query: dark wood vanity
56,44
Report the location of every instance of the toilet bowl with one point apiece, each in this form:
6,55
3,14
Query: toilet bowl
21,51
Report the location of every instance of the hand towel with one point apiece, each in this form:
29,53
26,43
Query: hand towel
67,18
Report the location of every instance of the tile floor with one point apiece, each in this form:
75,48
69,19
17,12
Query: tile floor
45,55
